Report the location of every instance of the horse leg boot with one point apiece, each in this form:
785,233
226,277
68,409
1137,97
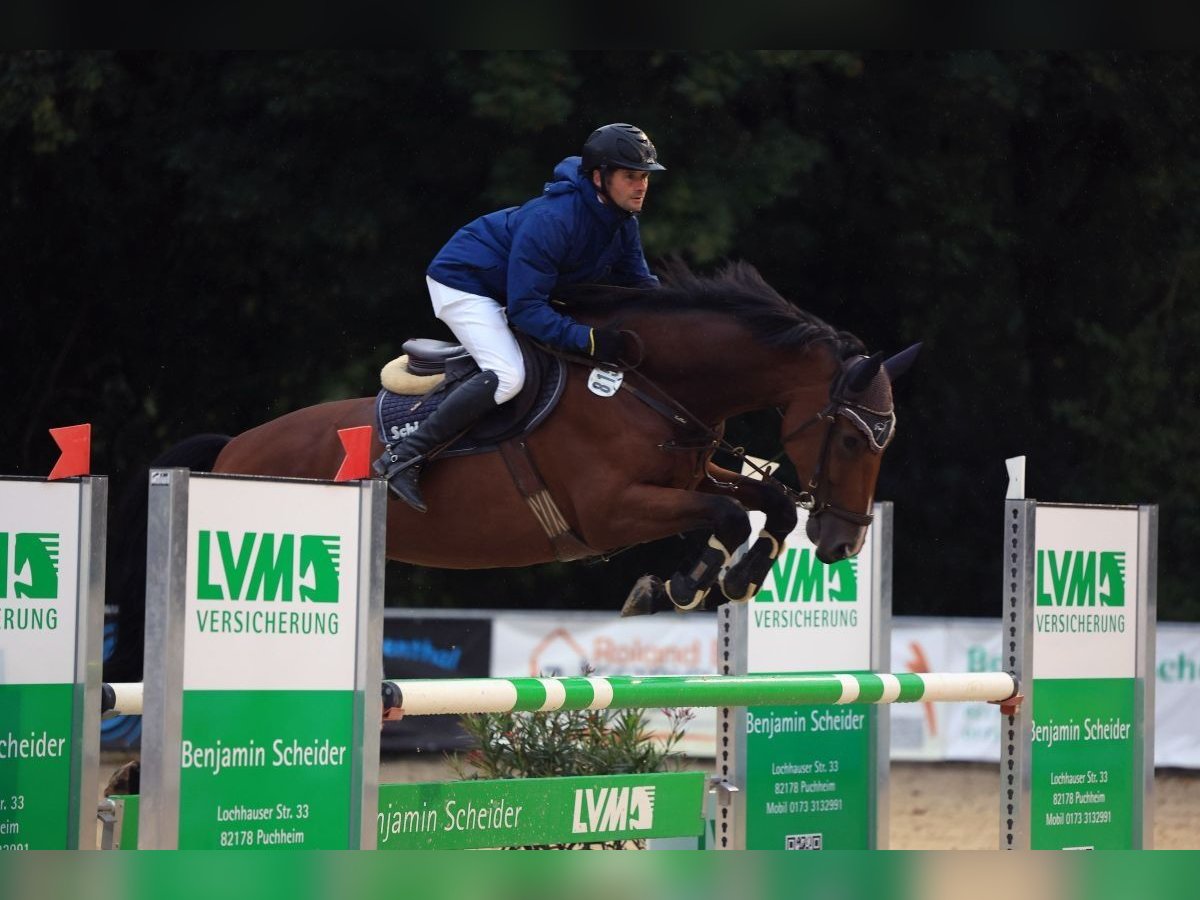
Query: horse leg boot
401,465
742,580
688,588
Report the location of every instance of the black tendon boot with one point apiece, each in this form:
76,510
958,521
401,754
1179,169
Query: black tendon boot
464,406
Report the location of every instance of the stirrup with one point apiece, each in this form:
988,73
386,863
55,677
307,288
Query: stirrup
394,473
388,465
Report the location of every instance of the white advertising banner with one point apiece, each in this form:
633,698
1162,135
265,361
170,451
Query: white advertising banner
957,731
561,643
1085,614
808,616
1176,725
39,574
272,600
970,731
551,643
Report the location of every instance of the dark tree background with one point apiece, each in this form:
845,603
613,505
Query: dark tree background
200,242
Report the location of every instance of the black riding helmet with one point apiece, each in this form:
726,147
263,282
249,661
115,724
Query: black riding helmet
619,146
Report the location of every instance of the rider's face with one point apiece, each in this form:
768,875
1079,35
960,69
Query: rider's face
626,188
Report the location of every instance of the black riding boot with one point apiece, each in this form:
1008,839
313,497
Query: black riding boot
464,406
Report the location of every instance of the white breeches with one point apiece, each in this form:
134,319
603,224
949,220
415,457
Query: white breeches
480,325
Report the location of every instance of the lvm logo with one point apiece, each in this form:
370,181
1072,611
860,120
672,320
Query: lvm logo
613,809
798,575
267,566
29,564
1080,578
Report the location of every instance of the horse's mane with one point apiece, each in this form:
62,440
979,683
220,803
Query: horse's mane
736,289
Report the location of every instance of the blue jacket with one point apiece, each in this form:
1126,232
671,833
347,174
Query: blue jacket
518,255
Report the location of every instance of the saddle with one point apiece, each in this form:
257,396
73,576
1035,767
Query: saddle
415,384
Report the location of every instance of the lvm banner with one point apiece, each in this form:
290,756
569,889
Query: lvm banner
271,603
51,599
1079,607
539,811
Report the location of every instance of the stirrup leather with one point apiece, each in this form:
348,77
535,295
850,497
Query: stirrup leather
389,465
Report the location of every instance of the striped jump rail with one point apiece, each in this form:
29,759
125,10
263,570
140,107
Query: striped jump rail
431,697
121,699
459,696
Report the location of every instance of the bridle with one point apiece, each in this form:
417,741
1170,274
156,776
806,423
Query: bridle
878,426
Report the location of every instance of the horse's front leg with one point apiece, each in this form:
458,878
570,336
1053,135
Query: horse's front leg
742,580
647,512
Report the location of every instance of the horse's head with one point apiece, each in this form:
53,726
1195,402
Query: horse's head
837,452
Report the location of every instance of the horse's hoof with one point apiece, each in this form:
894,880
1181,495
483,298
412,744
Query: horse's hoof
646,596
685,594
736,590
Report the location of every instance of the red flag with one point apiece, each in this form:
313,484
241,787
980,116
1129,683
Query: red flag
75,442
357,463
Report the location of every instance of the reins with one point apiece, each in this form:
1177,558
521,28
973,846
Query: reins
671,409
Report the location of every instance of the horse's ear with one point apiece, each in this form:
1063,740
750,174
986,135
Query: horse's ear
863,372
900,363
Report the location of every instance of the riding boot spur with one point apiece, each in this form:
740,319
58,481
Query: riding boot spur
401,463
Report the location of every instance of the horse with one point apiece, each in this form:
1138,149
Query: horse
636,465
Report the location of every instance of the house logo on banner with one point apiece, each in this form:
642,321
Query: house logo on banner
566,643
623,651
557,654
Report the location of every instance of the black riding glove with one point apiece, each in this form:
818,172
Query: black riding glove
607,345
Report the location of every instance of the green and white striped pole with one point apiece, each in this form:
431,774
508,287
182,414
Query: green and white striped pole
460,696
490,695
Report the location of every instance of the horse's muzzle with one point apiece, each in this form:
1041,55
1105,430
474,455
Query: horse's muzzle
835,539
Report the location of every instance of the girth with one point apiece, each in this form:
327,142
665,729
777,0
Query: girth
567,545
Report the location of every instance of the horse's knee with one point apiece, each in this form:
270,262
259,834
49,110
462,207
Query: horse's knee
781,515
731,526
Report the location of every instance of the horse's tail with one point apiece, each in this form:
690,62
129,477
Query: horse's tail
125,581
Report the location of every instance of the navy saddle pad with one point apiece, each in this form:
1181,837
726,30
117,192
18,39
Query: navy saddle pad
398,415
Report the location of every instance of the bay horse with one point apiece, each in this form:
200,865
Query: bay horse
637,466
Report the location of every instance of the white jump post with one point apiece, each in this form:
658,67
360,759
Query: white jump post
793,776
1079,609
52,536
263,663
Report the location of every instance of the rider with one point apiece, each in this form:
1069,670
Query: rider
583,228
